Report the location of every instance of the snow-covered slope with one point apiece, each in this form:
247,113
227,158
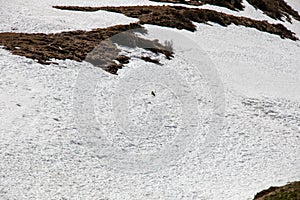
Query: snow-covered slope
257,145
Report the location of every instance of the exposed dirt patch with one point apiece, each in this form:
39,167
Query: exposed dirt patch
192,2
275,9
288,192
181,18
83,45
231,4
149,59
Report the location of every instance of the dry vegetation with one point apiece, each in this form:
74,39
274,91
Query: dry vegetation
89,45
230,4
290,191
275,9
182,18
92,46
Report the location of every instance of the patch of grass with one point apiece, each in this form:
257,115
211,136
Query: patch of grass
290,191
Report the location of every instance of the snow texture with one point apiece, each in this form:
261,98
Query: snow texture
247,108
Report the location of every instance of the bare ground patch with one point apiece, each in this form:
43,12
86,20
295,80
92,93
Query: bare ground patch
290,191
230,4
276,9
82,45
182,18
